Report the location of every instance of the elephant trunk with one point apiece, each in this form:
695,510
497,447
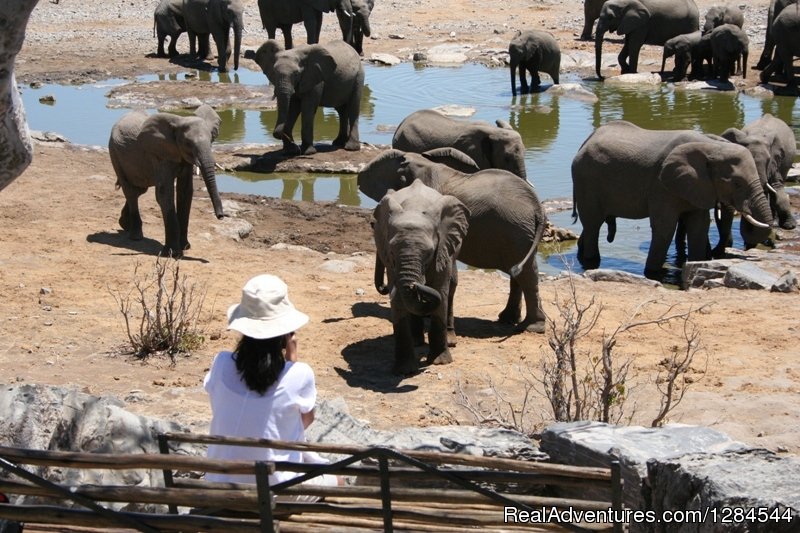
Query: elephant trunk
207,168
237,42
420,299
598,47
365,29
755,226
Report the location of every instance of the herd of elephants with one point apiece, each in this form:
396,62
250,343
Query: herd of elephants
452,189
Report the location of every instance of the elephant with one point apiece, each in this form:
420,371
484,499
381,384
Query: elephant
729,44
284,14
168,22
643,22
506,219
215,17
591,10
311,76
775,9
773,145
356,26
488,146
418,233
622,170
785,33
155,151
533,51
687,50
719,15
16,150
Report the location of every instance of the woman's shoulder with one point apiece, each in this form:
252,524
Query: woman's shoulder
299,368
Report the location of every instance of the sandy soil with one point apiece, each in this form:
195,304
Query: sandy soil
63,258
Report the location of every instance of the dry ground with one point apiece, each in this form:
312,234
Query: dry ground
62,256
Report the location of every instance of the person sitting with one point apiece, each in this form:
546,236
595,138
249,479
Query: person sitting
260,389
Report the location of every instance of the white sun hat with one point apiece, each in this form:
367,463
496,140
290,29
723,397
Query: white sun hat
265,310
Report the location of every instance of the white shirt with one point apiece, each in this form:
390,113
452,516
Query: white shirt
237,411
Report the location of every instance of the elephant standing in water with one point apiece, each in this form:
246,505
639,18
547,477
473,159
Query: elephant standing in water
217,18
643,22
16,152
533,51
488,146
155,151
506,219
625,171
418,233
308,77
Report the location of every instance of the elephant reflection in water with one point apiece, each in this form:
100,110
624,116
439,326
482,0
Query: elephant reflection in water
232,129
306,185
537,124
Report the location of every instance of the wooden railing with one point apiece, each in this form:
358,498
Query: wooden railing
394,490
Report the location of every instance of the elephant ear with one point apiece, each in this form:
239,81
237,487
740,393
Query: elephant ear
211,118
381,175
635,17
317,68
452,229
453,158
159,136
686,173
265,57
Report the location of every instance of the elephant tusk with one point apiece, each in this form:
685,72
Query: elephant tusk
754,222
718,213
771,189
349,14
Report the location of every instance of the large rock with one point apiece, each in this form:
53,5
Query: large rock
597,444
754,481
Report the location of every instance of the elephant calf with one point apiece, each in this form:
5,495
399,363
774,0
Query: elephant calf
155,151
418,234
533,51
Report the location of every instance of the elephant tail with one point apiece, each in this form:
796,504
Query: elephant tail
541,222
612,228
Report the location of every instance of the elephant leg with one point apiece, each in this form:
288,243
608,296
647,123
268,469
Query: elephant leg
173,42
308,109
662,226
439,353
697,223
222,39
203,43
451,330
405,359
183,195
161,38
289,146
622,58
523,79
511,312
781,207
680,242
417,330
588,250
766,54
130,219
312,20
352,111
535,320
192,43
165,196
724,223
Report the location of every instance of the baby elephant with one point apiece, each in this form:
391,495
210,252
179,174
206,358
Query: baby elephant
729,44
533,51
688,50
418,233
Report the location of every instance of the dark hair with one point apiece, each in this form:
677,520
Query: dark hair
260,361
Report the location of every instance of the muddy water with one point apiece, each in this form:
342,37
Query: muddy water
552,128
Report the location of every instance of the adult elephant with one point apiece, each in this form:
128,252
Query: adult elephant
488,146
356,26
16,152
156,151
506,219
418,233
312,76
774,147
168,22
643,22
625,171
533,51
217,18
775,9
785,33
284,14
591,10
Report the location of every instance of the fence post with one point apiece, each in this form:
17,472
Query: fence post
386,497
616,495
163,447
264,497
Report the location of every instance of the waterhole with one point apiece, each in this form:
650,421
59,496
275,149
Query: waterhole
552,127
